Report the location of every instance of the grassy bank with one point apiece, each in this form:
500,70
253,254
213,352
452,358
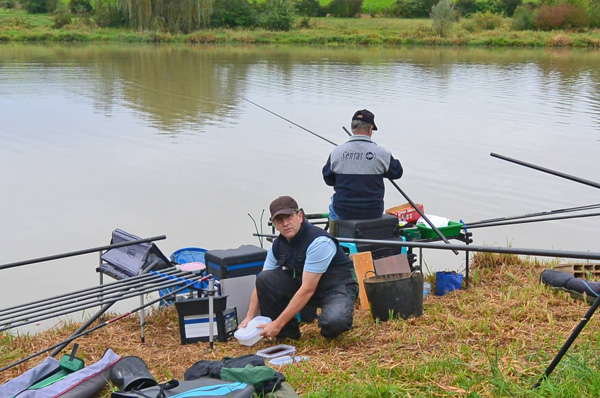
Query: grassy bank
494,339
17,25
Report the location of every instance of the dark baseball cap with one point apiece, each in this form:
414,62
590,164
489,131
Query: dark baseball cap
283,205
365,116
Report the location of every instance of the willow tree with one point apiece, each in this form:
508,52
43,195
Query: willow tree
174,15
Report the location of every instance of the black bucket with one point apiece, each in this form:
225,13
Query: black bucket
400,294
131,373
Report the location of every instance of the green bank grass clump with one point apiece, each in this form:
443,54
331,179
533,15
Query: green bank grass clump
17,25
492,339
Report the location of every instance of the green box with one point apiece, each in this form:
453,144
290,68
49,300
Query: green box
411,233
453,229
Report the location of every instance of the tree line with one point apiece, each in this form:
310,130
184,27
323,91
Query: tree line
185,16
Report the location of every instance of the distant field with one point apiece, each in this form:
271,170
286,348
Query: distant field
369,6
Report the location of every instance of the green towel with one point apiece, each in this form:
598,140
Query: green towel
255,375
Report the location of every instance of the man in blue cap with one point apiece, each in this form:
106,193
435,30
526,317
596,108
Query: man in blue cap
356,170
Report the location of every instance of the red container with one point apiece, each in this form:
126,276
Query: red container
406,212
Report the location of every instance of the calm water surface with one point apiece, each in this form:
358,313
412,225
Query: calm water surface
158,140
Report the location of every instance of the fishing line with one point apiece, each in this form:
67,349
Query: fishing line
289,121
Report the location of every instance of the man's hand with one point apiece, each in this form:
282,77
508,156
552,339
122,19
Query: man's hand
244,323
270,329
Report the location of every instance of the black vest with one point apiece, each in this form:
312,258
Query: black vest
291,256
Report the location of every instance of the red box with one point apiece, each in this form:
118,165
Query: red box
406,212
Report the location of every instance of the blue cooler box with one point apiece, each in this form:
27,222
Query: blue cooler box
231,263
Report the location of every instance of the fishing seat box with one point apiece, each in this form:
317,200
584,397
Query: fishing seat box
231,263
194,320
385,227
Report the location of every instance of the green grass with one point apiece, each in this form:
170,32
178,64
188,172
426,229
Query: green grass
494,339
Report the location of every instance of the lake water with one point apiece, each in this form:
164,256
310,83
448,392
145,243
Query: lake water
159,140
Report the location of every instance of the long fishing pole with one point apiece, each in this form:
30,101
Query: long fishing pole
106,323
26,320
94,294
289,121
500,223
421,213
334,144
98,290
538,214
470,248
546,170
569,341
21,320
80,252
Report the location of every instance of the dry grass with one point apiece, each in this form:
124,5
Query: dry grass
504,324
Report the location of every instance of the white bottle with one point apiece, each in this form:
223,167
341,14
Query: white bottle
426,289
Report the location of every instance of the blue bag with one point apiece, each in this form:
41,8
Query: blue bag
447,281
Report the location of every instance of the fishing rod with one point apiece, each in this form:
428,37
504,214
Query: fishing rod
470,248
546,170
64,310
97,290
289,121
334,144
106,323
541,213
588,315
158,284
421,213
500,223
80,252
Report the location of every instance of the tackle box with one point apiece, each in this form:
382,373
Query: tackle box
230,263
385,227
406,212
453,229
378,251
194,320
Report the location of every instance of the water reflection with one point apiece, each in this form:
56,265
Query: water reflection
157,140
182,88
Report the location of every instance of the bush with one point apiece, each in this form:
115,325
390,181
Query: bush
81,6
309,8
562,16
233,13
465,7
7,3
277,15
443,16
413,8
345,8
487,20
35,6
488,5
508,7
524,18
594,15
63,16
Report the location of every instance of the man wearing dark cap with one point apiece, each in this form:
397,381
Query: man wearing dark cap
304,266
356,170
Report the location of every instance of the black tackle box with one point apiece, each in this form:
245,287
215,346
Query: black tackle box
385,227
231,263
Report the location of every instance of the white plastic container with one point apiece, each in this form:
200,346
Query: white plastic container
279,350
251,334
286,360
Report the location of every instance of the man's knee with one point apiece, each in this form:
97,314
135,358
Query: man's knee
333,327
